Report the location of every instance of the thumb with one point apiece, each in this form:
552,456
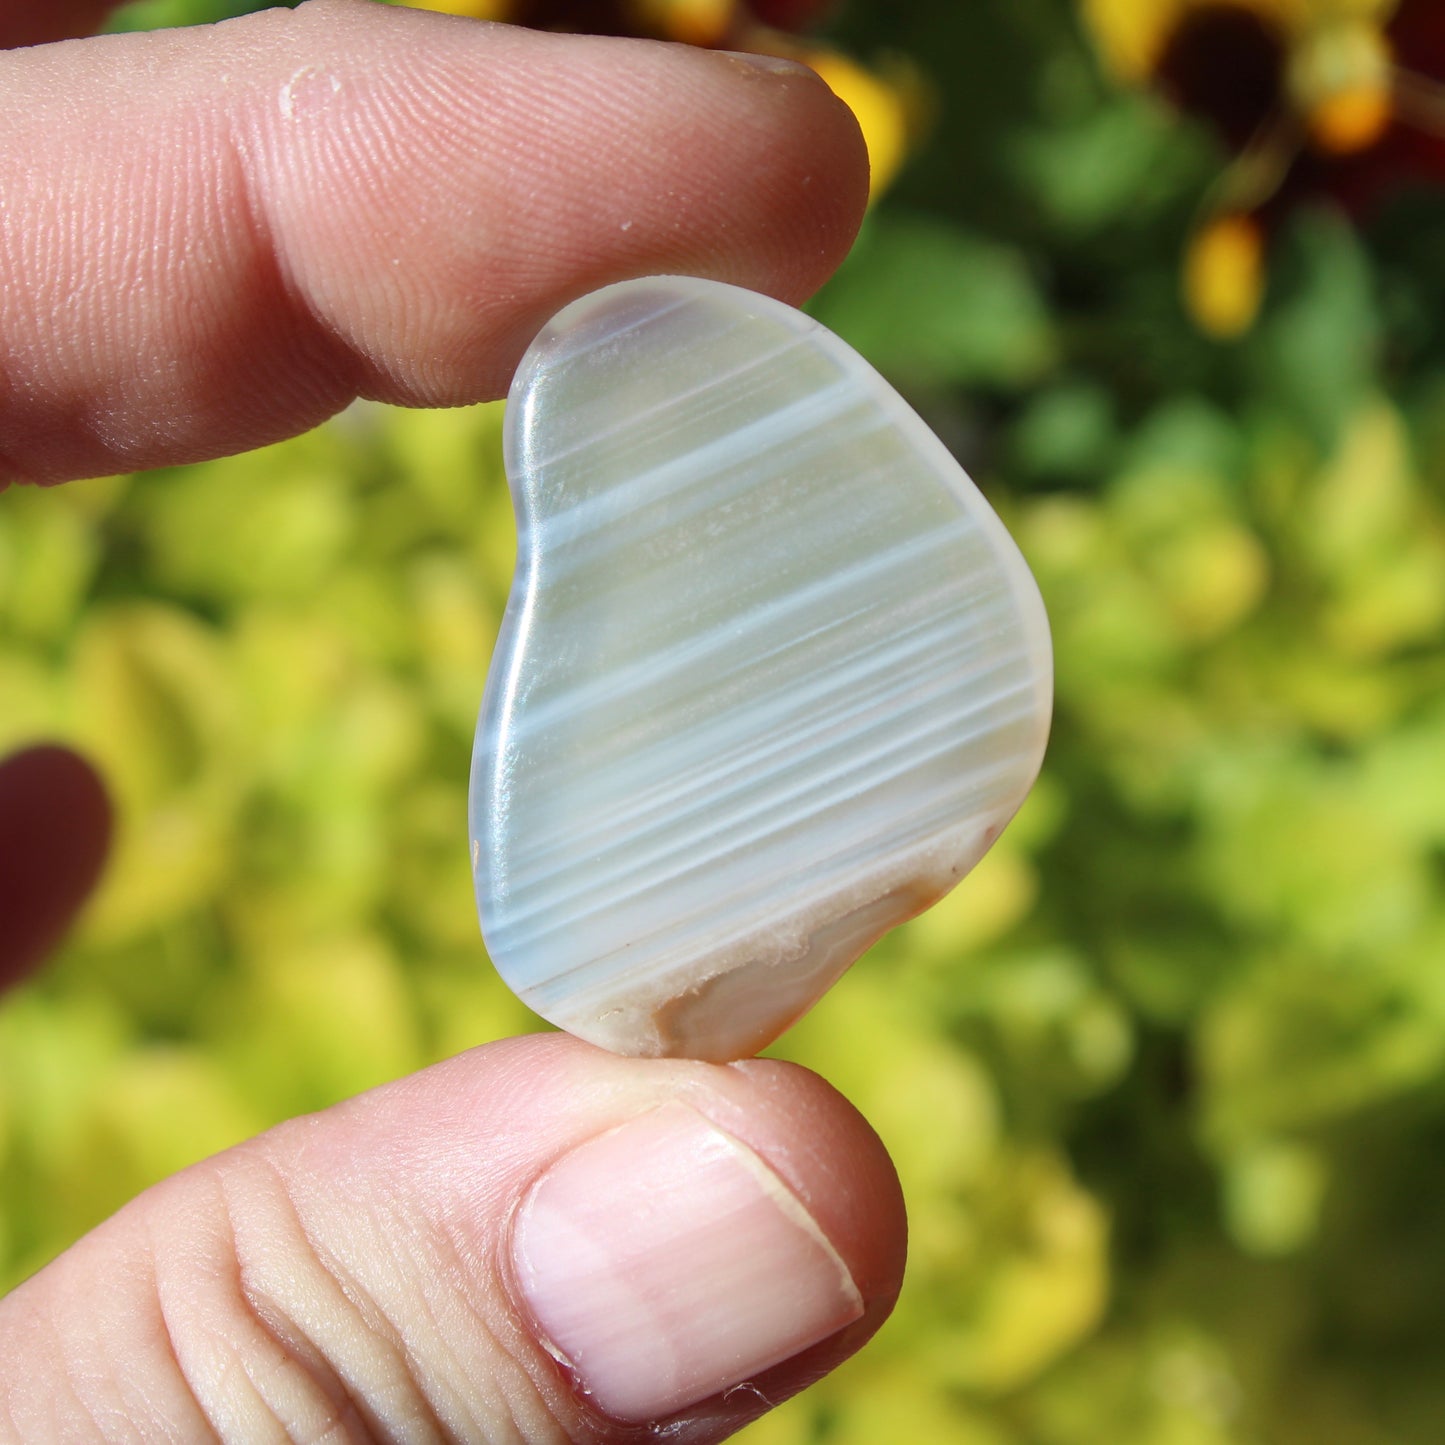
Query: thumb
534,1241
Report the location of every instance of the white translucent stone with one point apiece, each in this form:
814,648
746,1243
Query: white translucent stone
771,679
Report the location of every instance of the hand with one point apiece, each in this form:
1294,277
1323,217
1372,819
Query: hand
214,238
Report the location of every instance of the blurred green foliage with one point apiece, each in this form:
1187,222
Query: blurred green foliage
1165,1078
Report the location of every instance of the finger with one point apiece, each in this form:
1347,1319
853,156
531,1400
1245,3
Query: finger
32,22
216,237
535,1241
55,825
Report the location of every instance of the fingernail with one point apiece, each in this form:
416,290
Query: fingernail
664,1261
773,64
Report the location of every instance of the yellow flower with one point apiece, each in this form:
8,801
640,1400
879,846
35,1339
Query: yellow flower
1132,34
1272,77
1339,78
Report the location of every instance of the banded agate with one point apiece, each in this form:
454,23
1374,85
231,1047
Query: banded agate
771,679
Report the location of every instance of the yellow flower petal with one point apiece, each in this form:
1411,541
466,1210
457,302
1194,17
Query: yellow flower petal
1131,34
694,22
1224,276
476,9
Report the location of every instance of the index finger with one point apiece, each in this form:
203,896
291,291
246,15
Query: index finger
217,237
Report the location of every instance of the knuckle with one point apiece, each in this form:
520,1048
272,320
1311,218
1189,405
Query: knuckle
270,1345
347,1323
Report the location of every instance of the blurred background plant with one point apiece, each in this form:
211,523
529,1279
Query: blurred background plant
1165,1079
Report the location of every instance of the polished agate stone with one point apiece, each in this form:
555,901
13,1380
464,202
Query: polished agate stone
772,676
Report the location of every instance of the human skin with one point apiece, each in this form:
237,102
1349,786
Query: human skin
214,238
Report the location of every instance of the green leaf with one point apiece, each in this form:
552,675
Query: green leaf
1316,353
931,304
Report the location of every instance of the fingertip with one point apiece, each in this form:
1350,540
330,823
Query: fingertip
832,1157
696,1227
813,195
530,169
